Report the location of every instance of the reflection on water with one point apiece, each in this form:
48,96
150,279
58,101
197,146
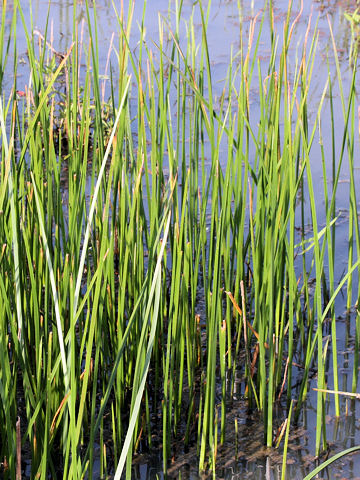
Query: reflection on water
243,454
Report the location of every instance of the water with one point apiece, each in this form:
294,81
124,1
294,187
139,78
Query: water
244,456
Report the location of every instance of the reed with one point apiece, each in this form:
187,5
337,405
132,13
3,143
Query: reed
149,251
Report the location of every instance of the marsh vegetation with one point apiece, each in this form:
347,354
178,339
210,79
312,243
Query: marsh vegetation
162,260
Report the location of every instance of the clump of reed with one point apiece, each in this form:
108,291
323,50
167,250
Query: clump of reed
149,252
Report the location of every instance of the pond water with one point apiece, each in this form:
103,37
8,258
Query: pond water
244,456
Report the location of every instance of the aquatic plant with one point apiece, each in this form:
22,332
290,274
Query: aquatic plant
154,245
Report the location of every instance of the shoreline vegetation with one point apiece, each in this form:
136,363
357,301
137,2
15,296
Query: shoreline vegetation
153,247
